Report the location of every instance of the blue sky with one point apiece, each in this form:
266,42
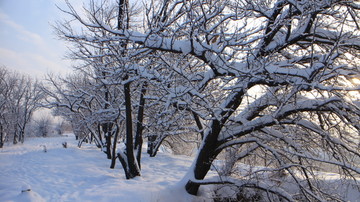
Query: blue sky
27,40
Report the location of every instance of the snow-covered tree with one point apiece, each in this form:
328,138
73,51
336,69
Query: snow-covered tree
4,89
295,57
60,127
20,96
279,81
77,99
112,95
284,70
43,126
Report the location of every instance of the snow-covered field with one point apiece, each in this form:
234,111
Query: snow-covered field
83,174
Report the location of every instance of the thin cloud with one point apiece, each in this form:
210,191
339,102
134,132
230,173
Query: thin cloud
22,32
35,55
30,63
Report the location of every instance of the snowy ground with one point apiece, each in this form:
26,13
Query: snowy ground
83,174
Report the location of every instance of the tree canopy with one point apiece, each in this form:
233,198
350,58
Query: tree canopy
271,80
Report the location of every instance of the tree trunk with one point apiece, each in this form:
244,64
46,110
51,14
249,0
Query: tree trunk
15,140
139,125
154,143
122,158
22,133
151,145
1,136
107,139
114,156
21,136
206,156
208,150
108,145
133,168
199,125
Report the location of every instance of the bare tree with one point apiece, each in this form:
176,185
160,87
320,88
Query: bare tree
43,126
109,95
77,99
295,59
60,127
276,81
4,89
20,97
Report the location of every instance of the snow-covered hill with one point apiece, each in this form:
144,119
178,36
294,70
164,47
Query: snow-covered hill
83,174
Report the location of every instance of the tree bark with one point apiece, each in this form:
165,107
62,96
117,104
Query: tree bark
131,161
206,156
107,139
208,150
154,143
15,141
199,125
131,165
139,125
114,156
1,136
151,145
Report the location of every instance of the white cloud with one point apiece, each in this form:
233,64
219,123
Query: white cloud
32,64
22,32
34,55
17,61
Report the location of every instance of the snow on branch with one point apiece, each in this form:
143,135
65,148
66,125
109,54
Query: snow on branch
263,186
281,113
